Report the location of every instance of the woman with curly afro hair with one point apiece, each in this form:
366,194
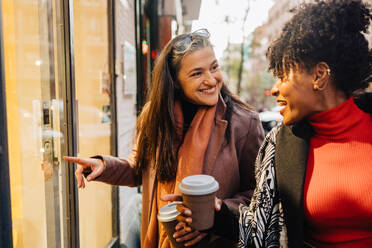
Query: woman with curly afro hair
314,172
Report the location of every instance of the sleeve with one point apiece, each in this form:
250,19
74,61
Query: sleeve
226,223
261,222
247,148
118,171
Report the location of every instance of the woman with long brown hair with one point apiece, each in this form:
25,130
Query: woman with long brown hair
192,124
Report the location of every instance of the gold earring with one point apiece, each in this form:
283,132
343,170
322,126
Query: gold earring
316,87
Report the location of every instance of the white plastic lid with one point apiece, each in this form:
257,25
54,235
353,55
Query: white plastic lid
169,212
198,185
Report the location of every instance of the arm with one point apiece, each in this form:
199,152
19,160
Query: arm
118,171
226,223
106,169
247,148
260,222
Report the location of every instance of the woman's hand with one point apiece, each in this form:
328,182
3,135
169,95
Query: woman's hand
96,165
184,233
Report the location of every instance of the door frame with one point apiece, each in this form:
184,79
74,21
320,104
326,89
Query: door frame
67,87
64,31
115,242
6,237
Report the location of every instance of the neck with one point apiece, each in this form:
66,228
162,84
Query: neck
189,110
330,98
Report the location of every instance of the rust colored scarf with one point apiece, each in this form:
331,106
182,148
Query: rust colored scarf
190,162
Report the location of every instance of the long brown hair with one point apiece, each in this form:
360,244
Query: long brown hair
157,136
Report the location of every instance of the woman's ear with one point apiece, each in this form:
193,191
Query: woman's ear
322,76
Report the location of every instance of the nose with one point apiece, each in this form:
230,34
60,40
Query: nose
274,89
210,79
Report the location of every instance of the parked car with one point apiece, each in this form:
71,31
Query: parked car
271,118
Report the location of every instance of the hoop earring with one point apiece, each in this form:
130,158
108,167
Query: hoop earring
317,88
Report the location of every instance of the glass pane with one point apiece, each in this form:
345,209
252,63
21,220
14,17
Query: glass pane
34,114
94,123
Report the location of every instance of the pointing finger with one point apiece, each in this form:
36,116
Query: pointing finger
82,161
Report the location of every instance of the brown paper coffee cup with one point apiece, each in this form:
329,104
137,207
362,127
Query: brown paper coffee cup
170,229
167,216
198,193
202,208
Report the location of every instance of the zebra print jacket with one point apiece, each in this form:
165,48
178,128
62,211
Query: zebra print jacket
261,224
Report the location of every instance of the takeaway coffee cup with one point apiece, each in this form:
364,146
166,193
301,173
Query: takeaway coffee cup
167,216
198,193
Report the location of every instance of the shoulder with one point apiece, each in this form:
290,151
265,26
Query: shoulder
241,116
270,139
272,135
245,124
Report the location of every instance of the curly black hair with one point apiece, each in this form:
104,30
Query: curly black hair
331,31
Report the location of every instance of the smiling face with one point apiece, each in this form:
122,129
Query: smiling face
295,91
200,77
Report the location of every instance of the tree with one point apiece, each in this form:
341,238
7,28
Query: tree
242,50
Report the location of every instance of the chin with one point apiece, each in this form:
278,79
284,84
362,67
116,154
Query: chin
287,121
211,103
207,101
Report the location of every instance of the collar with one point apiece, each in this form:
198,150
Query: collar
304,130
221,108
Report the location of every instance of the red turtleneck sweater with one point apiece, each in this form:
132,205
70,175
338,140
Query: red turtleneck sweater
338,184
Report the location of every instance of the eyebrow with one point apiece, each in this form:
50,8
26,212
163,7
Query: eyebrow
200,68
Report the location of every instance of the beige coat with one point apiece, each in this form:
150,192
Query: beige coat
230,162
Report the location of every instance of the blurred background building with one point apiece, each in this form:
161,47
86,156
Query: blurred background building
256,82
262,36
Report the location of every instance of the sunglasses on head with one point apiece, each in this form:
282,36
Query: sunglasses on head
189,38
